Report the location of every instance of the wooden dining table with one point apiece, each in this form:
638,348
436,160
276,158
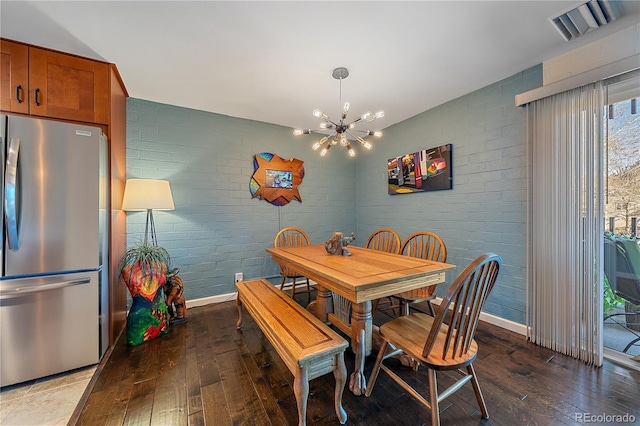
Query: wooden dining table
358,279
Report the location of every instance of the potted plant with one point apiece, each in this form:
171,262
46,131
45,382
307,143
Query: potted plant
143,267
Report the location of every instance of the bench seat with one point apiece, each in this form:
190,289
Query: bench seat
308,347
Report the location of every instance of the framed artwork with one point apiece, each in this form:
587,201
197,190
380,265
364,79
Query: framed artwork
425,170
276,179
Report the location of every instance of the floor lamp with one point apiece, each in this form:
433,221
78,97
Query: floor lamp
149,195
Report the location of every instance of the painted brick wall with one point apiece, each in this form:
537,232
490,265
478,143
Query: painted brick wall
486,210
217,229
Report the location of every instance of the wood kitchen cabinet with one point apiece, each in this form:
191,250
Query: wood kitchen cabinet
41,82
47,83
14,77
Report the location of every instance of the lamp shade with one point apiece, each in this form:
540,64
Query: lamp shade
145,194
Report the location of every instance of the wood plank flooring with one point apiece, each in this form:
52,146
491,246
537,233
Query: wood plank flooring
205,372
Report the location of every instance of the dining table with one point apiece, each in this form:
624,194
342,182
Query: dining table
346,286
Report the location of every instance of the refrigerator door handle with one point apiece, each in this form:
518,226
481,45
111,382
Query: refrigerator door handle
45,287
11,194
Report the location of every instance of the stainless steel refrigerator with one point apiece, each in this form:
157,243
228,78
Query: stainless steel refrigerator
53,193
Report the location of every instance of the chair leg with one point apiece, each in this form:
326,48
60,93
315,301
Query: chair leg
432,312
405,307
293,286
394,306
433,397
376,368
308,291
478,392
385,309
406,359
282,283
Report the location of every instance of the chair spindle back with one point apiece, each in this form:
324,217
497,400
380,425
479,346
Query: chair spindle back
384,239
290,237
425,245
463,302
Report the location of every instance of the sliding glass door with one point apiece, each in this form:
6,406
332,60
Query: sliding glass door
621,299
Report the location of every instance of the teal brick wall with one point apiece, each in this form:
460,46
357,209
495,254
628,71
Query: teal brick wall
217,229
487,208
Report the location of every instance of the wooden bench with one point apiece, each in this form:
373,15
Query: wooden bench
307,346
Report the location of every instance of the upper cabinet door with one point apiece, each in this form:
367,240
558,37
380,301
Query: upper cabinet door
68,87
14,77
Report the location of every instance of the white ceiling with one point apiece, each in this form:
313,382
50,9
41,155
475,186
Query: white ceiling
272,61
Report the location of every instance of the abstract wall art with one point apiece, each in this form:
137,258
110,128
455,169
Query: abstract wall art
276,179
424,170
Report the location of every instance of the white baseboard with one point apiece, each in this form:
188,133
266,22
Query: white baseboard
491,319
220,298
504,323
211,299
497,321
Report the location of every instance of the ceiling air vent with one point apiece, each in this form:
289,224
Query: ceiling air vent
586,17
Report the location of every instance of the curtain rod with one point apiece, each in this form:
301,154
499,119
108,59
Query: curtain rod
604,72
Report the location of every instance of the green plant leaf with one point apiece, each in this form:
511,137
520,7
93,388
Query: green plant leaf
146,254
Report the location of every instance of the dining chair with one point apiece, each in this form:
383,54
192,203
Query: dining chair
385,239
289,237
444,342
424,245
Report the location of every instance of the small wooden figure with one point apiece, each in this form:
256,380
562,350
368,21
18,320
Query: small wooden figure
176,304
337,244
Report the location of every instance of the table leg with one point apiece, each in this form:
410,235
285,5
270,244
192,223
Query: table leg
324,303
361,319
357,382
361,325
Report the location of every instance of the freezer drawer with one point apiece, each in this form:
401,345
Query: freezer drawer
48,325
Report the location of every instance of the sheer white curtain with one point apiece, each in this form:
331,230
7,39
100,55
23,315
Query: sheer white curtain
565,224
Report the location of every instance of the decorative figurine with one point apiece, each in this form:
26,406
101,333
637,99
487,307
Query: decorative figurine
337,244
173,289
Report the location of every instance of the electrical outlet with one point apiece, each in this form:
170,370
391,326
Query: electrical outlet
239,276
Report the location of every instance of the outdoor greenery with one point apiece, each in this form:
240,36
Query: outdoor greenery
610,299
622,184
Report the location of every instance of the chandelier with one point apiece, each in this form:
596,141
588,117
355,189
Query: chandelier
342,131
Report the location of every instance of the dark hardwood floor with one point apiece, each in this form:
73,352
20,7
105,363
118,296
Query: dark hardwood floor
207,372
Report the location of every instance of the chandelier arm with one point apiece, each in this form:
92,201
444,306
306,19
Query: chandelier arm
329,140
355,121
347,131
320,131
361,131
352,136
